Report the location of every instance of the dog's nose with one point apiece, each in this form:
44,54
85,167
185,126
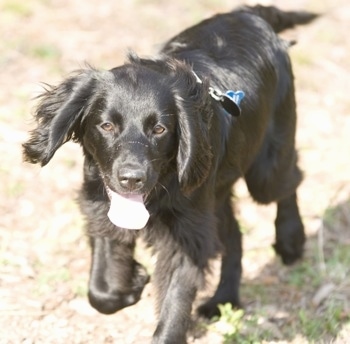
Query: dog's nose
132,179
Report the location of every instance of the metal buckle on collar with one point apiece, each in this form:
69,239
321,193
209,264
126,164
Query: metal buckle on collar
229,100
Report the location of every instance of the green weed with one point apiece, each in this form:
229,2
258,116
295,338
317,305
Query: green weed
323,324
45,51
229,323
236,326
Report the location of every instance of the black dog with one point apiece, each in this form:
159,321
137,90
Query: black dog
164,143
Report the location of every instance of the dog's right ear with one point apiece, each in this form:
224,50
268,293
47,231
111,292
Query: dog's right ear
58,116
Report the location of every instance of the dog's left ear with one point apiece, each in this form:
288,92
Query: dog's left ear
194,156
57,116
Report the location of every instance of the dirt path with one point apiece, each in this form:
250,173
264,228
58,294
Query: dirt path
44,258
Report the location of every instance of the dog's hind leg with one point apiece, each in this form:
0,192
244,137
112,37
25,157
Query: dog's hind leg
231,267
274,177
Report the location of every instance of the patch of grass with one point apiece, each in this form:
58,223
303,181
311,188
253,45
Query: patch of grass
337,216
336,242
310,326
236,326
330,216
80,288
254,291
15,189
333,317
338,263
16,7
298,319
304,274
19,8
45,51
48,280
321,325
6,261
314,326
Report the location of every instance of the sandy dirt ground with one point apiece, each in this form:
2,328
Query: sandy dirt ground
44,256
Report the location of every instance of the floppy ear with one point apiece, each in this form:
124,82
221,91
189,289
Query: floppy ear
194,156
58,115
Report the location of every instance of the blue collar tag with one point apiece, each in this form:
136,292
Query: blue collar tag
230,102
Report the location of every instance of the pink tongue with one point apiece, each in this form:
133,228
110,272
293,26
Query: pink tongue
127,211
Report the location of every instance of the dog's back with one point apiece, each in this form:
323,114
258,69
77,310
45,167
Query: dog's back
241,51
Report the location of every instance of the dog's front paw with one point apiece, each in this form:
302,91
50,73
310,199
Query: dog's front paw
210,309
107,300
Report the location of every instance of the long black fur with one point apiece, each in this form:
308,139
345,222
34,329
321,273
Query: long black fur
153,119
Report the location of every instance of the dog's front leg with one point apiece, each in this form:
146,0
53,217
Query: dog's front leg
116,279
176,280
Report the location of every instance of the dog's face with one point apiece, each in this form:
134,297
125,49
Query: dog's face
131,129
136,121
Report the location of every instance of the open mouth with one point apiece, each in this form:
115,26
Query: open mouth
127,211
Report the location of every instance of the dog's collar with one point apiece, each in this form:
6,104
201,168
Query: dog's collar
229,100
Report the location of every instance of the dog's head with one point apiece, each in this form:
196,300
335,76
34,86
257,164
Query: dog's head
135,121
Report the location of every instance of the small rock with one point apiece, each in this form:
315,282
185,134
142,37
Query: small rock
322,293
82,307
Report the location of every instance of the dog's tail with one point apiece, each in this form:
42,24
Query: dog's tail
281,20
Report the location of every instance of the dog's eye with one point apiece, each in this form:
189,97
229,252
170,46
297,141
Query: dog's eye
158,129
107,126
